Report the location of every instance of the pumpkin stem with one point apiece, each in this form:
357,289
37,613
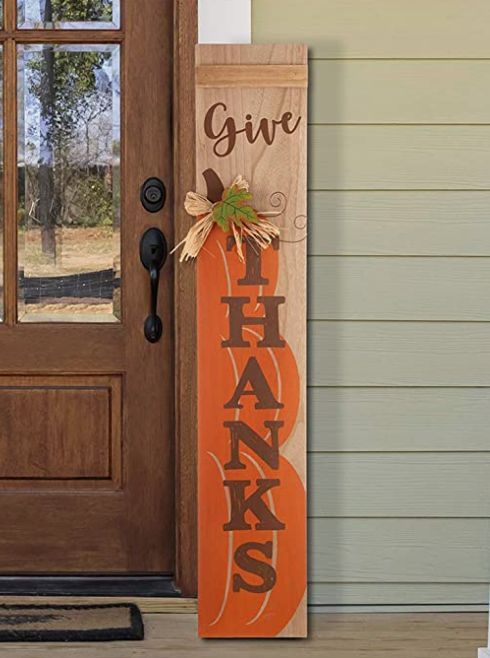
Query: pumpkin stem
214,185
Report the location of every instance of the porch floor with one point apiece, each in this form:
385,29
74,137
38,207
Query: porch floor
448,635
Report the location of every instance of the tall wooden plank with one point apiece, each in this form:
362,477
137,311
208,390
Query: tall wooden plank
252,499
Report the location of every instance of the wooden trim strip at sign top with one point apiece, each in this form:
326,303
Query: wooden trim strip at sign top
252,347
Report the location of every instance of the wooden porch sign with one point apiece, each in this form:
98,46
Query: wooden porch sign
252,121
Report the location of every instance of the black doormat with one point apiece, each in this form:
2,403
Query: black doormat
70,623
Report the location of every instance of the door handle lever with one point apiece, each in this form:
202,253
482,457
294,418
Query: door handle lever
153,255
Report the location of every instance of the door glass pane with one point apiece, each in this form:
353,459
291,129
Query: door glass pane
69,183
69,14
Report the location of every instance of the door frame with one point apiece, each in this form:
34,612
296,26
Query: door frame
185,31
185,39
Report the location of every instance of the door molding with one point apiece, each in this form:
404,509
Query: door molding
185,39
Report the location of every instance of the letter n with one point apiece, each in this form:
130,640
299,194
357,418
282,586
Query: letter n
268,452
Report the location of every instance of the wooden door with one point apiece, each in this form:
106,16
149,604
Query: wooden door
86,443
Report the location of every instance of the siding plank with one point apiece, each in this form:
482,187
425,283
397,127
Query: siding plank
399,354
405,594
419,381
400,550
399,223
398,419
400,91
419,485
399,157
357,288
379,28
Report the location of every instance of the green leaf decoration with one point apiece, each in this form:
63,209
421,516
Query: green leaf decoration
234,208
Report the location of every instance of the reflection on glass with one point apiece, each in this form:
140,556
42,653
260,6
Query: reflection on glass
69,14
69,183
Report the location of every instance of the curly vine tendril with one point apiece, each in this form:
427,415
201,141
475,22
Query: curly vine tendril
279,201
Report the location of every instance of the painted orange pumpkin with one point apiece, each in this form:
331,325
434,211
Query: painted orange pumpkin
222,610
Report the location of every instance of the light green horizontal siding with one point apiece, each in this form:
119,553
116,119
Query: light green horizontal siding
393,288
419,485
413,223
400,550
399,157
399,354
400,91
378,28
398,419
392,594
399,333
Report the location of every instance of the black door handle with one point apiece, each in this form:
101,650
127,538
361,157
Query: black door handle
153,255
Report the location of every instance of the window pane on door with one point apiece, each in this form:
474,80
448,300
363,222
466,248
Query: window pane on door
69,14
69,183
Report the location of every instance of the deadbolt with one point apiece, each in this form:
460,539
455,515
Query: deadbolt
153,195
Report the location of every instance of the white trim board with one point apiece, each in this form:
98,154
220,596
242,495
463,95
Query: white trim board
225,21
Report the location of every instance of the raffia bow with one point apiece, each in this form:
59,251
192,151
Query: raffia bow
233,213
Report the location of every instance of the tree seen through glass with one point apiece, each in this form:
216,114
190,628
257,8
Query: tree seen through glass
69,197
90,14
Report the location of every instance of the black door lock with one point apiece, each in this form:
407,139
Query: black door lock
153,195
153,254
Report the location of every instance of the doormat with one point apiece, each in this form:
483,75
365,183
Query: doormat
70,623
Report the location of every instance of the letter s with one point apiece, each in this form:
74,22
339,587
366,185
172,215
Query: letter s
245,561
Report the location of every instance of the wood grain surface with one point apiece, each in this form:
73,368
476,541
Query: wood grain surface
332,636
273,161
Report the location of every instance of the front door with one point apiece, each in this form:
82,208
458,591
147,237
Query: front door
86,442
